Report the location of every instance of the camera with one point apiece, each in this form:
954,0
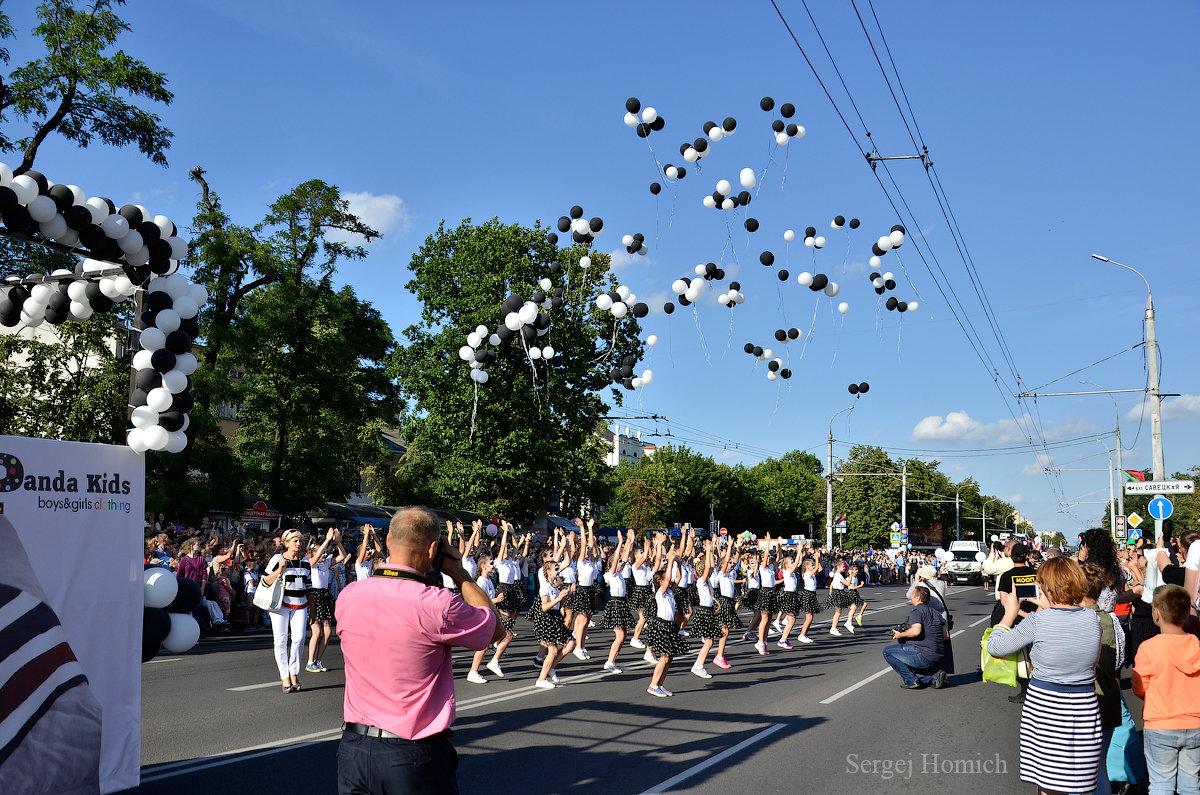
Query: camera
901,627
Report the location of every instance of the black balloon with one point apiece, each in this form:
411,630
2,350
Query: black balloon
854,223
792,130
684,147
787,110
766,258
899,228
183,401
615,373
626,371
156,625
810,231
171,420
874,275
780,334
773,366
628,361
78,218
892,302
579,237
683,301
720,274
735,285
710,268
668,307
179,342
643,130
902,306
538,296
149,231
777,126
40,178
766,103
876,250
92,238
564,224
131,214
878,291
785,373
708,125
820,281
504,333
793,333
528,334
890,284
96,299
556,302
147,379
744,198
188,597
758,351
852,389
655,188
658,123
700,144
729,125
8,199
552,239
640,309
555,267
162,360
748,347
576,211
18,219
158,301
839,220
864,387
681,172
783,274
633,105
190,326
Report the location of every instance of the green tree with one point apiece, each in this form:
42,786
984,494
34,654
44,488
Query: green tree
79,88
205,477
646,502
790,492
869,499
509,446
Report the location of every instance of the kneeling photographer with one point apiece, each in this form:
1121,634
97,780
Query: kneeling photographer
919,653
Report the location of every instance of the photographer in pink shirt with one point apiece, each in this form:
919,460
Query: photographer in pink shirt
396,633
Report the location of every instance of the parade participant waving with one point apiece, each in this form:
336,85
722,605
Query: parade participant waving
617,615
661,636
726,604
484,581
704,618
582,599
549,626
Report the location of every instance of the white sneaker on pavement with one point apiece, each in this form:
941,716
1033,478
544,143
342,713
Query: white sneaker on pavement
637,643
494,667
699,671
475,678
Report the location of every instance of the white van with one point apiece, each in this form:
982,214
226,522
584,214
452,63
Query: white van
964,568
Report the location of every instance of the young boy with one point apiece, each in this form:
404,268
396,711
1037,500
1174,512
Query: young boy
1166,673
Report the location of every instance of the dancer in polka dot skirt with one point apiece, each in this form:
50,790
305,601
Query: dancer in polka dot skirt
807,600
840,597
587,572
726,604
617,615
661,636
641,599
549,627
704,618
789,599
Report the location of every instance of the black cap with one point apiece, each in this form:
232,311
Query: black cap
1019,552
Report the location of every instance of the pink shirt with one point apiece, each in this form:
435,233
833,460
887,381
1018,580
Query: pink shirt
396,637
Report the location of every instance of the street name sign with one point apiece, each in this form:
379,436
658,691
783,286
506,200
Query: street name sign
1160,487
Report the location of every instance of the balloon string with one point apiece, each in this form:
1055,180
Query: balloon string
910,281
899,331
783,180
474,410
729,339
533,369
846,259
837,346
808,337
700,331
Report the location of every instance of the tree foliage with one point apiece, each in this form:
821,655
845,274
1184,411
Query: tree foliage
533,425
80,88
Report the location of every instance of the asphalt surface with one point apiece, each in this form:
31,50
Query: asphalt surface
827,716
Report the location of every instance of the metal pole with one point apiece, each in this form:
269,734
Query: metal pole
829,493
1160,469
904,496
1120,468
957,528
1112,501
983,522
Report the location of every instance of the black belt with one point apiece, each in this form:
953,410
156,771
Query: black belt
384,734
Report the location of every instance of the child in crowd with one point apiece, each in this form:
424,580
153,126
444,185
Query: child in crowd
1166,673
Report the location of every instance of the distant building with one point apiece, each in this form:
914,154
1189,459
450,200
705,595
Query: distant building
624,447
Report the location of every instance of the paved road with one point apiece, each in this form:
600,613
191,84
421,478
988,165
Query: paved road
830,715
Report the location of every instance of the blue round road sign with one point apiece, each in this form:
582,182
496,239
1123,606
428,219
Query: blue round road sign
1161,508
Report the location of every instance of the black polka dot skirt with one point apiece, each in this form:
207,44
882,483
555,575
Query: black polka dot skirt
663,638
641,597
549,628
840,598
768,600
681,600
727,613
807,602
693,594
581,599
617,614
857,597
750,600
704,623
513,597
789,602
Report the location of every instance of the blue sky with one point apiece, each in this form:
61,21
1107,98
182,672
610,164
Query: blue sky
1056,130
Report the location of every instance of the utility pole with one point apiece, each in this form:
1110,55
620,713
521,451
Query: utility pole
957,528
904,496
829,484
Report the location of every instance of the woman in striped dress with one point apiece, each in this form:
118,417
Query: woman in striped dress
617,615
291,617
704,618
1061,733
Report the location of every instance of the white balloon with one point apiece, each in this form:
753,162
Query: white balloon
789,235
843,307
40,293
897,238
135,438
723,299
155,437
723,187
153,338
174,381
580,225
159,399
131,242
512,321
627,240
652,340
709,201
740,298
126,287
804,279
167,320
671,172
678,286
716,134
77,290
42,209
494,339
548,352
32,317
636,382
25,187
535,353
6,174
185,306
690,155
699,269
54,228
705,153
728,204
176,442
80,311
482,331
888,275
800,131
692,293
108,286
528,313
186,363
480,376
884,243
647,376
748,178
178,247
98,208
466,353
649,114
781,139
143,417
913,306
585,262
476,365
832,289
164,226
767,354
623,291
473,340
819,241
604,302
141,359
115,226
187,421
699,286
546,284
771,374
810,241
619,309
631,119
874,261
184,629
139,257
877,282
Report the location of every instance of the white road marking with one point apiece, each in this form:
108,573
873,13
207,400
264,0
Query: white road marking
713,760
244,688
229,758
164,659
980,621
856,686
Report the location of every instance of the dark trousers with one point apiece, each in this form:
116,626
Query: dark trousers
390,767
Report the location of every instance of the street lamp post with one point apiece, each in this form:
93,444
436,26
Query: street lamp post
1120,464
829,484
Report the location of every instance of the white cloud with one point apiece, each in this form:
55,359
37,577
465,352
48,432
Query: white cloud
1016,499
622,259
1182,407
858,266
958,426
1043,461
385,213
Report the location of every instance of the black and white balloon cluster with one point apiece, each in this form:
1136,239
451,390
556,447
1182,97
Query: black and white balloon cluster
65,295
733,296
582,230
671,172
476,353
128,235
819,282
775,368
161,397
167,621
635,244
784,131
621,302
710,271
648,122
689,290
884,282
886,243
723,197
699,148
624,373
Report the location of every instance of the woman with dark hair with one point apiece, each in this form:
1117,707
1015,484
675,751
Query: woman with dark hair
1097,547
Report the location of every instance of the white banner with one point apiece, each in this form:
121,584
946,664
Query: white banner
71,528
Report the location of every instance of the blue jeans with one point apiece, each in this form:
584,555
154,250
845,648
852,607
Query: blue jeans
396,767
1173,760
911,664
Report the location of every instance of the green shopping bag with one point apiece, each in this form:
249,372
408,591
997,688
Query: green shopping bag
1001,670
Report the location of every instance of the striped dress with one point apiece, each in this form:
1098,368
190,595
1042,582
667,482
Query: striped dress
1060,724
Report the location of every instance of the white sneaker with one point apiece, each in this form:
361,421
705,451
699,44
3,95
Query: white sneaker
554,676
683,633
474,677
591,625
699,671
849,627
649,657
494,667
835,631
777,626
580,654
612,668
637,643
804,639
544,684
